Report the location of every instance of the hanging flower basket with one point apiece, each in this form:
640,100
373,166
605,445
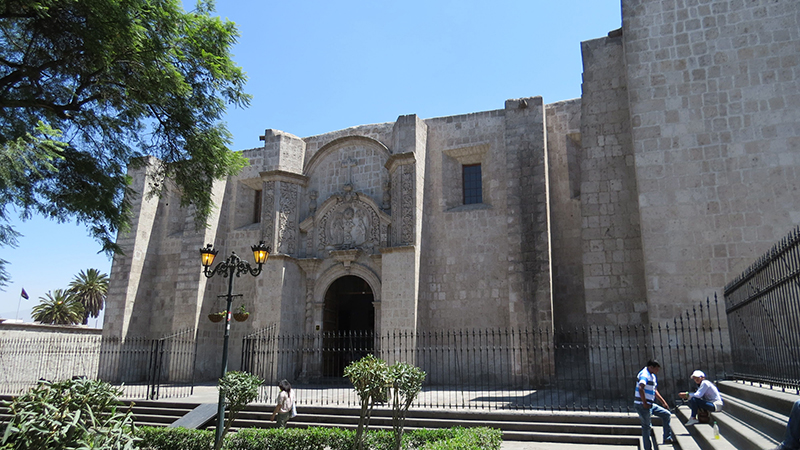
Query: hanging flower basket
241,314
216,317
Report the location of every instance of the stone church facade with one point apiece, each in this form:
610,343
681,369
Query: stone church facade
679,165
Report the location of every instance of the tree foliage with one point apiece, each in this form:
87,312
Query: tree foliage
87,87
373,380
72,414
58,308
239,389
90,288
406,382
370,378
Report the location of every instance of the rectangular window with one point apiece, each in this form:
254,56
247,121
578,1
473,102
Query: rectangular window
473,188
257,206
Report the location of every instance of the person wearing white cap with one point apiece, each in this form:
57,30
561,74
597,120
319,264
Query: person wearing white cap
705,397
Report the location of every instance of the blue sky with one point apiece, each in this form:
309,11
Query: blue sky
318,66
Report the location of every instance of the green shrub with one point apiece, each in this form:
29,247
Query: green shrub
70,414
278,439
318,439
157,438
470,439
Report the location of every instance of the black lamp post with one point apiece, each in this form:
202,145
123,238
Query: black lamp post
233,266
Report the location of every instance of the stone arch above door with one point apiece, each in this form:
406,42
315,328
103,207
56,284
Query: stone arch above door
337,271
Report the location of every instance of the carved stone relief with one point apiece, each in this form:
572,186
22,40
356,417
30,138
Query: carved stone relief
268,212
287,235
407,220
387,196
350,224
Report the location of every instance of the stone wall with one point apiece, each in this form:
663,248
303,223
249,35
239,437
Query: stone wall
612,250
528,215
564,155
714,93
465,256
29,352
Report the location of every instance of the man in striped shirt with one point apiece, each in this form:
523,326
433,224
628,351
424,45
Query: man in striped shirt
645,397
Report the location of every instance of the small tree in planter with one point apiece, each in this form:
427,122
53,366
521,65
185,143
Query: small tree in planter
239,389
370,378
406,382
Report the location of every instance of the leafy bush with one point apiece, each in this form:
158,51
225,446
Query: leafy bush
319,439
72,414
157,438
472,439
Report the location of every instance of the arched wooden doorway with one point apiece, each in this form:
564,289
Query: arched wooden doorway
348,324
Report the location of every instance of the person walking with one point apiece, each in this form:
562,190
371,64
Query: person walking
792,439
285,404
706,397
645,397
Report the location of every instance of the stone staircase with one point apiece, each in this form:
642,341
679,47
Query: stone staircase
620,429
754,418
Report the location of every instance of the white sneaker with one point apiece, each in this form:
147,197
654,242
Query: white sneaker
691,422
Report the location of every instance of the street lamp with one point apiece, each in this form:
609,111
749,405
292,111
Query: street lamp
233,266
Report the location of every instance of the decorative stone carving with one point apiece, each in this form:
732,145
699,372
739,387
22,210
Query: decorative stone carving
288,209
407,196
350,224
387,196
312,204
268,212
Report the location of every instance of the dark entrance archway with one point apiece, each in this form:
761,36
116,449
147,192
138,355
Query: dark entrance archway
348,324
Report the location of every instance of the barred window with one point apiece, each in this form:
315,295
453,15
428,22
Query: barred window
473,188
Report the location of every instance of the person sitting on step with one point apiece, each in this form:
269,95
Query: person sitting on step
706,397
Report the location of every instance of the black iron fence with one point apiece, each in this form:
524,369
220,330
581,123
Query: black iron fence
587,369
144,368
763,307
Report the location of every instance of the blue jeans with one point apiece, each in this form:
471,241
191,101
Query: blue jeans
792,439
645,416
698,403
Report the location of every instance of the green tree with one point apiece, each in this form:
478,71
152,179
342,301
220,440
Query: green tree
58,308
90,289
87,88
406,382
371,380
239,389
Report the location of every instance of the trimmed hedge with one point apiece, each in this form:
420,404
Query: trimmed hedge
158,438
318,439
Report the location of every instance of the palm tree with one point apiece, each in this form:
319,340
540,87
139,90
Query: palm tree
90,289
58,308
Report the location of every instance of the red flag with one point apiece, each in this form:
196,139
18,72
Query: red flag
24,294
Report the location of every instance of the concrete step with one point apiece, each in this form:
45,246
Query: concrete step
683,439
771,399
771,423
703,434
531,426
